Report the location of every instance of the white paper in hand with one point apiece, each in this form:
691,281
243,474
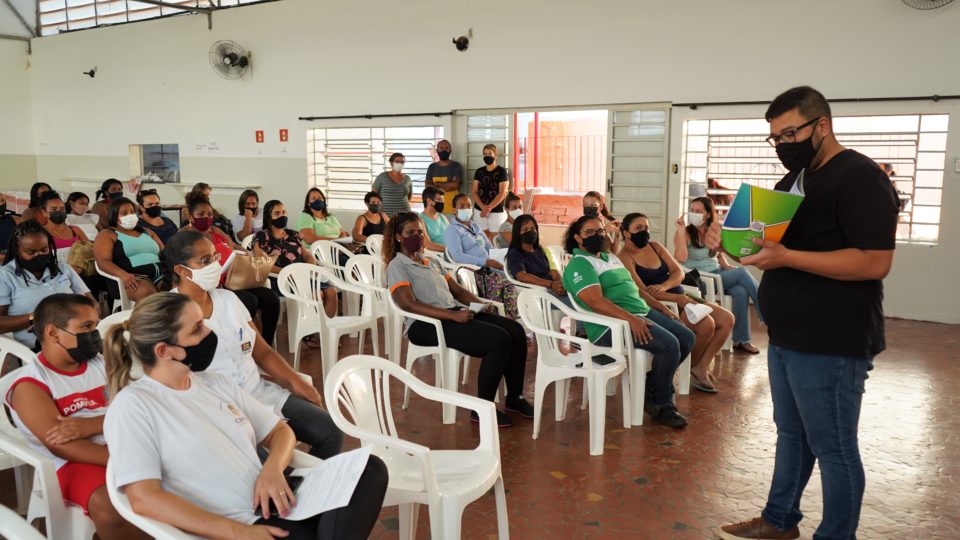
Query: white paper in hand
328,485
478,307
696,312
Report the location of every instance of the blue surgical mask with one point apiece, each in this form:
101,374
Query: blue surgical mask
464,214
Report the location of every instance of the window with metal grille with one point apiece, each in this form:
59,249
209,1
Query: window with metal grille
62,15
719,155
343,162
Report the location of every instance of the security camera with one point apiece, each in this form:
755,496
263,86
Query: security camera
462,43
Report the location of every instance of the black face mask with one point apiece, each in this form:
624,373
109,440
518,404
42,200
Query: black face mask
529,237
154,211
89,345
58,218
594,244
797,155
375,208
319,205
438,206
443,155
489,160
591,211
640,238
36,264
280,222
114,195
200,356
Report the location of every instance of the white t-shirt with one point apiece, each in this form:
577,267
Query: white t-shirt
200,442
234,356
238,221
77,394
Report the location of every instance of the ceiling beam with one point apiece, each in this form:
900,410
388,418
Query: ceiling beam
20,18
15,38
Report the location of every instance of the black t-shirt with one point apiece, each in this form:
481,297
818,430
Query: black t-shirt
534,263
849,203
7,226
489,184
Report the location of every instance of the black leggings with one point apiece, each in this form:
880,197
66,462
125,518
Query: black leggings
268,303
352,522
498,340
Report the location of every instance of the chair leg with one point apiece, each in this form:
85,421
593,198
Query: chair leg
561,391
448,377
360,335
452,516
625,390
328,352
466,370
638,387
23,477
598,413
408,521
503,526
684,371
375,337
540,386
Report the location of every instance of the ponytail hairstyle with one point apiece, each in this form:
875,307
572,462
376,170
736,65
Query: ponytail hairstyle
391,247
156,319
102,192
693,232
35,193
628,219
569,242
603,204
29,228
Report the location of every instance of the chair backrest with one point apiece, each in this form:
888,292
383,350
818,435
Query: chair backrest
374,244
365,270
16,349
156,529
7,428
467,279
301,281
328,253
124,300
519,284
559,256
247,242
500,242
439,261
15,527
535,308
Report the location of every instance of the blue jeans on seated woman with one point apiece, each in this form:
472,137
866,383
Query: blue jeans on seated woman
672,343
739,284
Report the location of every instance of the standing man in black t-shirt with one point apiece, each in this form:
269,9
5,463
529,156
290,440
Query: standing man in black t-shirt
491,183
821,295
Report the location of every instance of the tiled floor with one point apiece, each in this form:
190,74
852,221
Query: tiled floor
654,482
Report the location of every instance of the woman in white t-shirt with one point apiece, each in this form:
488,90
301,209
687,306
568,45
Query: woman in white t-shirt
242,352
184,441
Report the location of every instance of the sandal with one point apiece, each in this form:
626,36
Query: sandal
312,341
746,347
702,385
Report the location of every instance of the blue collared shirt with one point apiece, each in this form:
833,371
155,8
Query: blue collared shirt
22,293
466,244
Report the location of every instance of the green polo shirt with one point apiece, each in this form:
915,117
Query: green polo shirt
585,270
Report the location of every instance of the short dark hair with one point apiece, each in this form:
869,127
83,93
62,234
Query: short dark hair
457,197
395,155
197,201
569,242
242,202
268,212
430,192
809,103
107,184
370,195
113,212
511,196
58,309
46,197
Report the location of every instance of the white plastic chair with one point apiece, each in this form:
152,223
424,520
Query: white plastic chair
374,244
63,521
366,271
247,242
12,347
301,282
683,370
715,295
466,277
163,531
121,303
327,254
14,527
559,256
357,393
537,309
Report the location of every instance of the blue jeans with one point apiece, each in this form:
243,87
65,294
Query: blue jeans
739,284
671,344
816,406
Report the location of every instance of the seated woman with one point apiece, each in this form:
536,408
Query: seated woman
61,406
241,352
416,287
126,250
373,221
248,220
529,262
152,217
514,208
254,299
184,443
467,244
77,205
31,273
33,207
658,276
316,222
285,244
202,190
110,190
600,283
594,206
54,212
8,222
689,250
434,222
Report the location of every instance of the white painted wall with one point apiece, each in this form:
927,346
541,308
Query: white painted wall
17,162
338,57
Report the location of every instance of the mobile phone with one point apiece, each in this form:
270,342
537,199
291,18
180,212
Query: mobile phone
603,359
293,482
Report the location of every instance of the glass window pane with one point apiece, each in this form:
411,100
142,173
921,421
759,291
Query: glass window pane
935,122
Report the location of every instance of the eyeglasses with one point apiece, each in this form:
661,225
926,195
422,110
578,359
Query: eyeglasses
209,259
790,135
586,233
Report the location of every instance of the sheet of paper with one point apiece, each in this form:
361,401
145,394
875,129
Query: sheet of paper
344,240
329,485
225,265
477,307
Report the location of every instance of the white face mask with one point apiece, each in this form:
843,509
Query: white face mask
397,167
128,221
464,214
694,219
208,277
515,213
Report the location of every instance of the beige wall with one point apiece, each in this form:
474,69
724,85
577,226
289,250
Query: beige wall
18,164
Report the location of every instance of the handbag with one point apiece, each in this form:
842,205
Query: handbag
693,279
248,271
81,256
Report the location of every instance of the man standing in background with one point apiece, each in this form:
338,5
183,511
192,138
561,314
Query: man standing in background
445,174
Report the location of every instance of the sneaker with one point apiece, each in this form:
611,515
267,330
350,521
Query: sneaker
668,416
519,406
503,420
651,407
756,529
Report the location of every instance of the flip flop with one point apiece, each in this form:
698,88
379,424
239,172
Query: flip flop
748,348
699,384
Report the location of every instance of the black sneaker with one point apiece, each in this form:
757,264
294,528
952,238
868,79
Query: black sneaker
503,420
651,408
668,416
519,406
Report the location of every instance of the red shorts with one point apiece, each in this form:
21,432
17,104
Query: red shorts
78,481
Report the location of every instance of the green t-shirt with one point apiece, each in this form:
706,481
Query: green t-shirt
328,227
616,284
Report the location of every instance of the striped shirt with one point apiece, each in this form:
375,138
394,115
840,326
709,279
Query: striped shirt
395,197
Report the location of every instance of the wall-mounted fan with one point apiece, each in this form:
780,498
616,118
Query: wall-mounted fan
926,4
229,60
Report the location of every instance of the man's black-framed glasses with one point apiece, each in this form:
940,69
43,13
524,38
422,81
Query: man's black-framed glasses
789,135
